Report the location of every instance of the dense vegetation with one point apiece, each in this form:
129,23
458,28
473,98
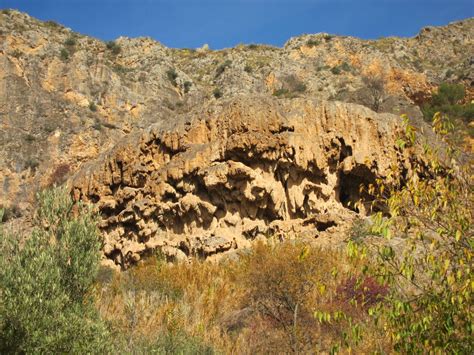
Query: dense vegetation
448,100
46,305
427,258
405,282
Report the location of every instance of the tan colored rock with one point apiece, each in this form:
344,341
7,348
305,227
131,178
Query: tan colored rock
172,168
250,167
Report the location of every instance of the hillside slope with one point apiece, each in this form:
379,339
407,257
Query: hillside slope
71,105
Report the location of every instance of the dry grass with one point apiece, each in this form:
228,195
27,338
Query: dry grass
264,302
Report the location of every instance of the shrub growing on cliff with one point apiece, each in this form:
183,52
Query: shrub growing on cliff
187,86
70,41
221,68
45,282
113,47
292,87
64,54
217,93
172,75
447,100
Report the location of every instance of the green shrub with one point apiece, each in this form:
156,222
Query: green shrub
113,47
92,106
328,37
312,43
340,68
120,69
97,125
45,282
449,73
320,67
446,101
448,94
280,92
70,42
64,54
52,24
345,66
32,163
217,93
30,138
187,86
221,68
248,68
172,75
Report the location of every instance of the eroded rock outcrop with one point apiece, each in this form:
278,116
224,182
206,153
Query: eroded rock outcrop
210,181
66,98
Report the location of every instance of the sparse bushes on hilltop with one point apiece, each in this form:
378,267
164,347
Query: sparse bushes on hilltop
313,43
52,24
113,47
70,42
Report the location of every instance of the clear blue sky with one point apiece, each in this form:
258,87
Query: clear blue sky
225,23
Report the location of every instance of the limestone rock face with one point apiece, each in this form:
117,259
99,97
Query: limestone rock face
212,180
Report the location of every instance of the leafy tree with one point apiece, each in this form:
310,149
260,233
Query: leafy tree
45,282
429,270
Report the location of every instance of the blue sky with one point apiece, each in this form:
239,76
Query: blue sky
225,23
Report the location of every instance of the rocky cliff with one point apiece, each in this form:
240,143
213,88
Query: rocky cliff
223,175
196,151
